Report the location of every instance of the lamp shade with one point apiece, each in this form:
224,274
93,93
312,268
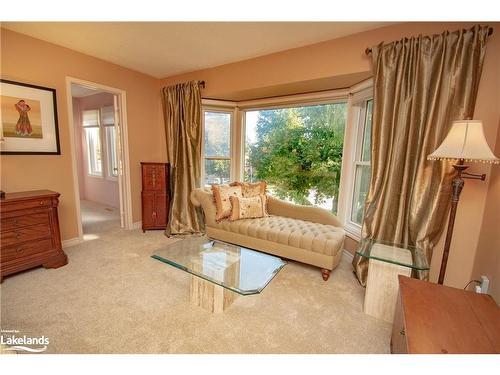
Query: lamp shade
465,141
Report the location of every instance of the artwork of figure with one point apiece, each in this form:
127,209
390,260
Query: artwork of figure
23,126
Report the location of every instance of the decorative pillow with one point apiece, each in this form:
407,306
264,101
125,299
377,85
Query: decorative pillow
248,208
251,189
222,202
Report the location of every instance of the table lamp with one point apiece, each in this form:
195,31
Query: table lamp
464,143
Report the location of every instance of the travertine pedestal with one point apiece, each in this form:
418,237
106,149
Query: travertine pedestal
209,296
382,281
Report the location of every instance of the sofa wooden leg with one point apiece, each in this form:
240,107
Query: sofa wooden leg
325,273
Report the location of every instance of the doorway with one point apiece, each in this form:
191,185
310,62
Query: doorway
100,157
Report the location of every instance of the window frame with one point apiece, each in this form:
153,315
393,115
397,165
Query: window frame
105,141
232,116
88,154
106,167
341,97
352,155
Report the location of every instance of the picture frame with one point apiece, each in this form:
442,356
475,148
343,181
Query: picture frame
28,119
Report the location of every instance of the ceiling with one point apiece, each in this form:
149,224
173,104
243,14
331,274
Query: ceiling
162,49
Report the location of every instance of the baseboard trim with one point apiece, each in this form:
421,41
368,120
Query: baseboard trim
71,242
348,254
137,225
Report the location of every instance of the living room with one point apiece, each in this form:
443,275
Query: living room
258,168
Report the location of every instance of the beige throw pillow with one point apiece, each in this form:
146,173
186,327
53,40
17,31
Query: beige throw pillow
251,189
222,193
248,208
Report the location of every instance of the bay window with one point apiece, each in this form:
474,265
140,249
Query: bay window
311,149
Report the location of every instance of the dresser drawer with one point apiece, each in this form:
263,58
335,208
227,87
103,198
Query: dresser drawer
11,253
18,236
24,221
27,204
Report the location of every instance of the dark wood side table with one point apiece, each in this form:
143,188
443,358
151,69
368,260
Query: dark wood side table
434,319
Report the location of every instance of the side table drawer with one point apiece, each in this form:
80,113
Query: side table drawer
24,221
24,205
18,236
11,253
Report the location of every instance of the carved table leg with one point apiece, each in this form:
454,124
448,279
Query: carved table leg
325,273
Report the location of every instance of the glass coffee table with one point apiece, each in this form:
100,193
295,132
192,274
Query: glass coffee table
220,271
387,260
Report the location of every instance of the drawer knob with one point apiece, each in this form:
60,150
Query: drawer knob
16,221
18,235
19,250
402,332
41,203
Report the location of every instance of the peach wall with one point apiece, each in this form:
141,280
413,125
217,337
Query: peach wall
487,260
93,188
30,60
345,57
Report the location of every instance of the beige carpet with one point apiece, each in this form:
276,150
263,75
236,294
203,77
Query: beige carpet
113,298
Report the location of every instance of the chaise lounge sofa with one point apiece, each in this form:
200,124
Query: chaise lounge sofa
306,234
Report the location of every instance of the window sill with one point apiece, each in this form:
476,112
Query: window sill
95,176
353,232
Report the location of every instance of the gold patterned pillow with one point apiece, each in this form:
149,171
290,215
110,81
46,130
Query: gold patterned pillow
251,189
248,208
222,193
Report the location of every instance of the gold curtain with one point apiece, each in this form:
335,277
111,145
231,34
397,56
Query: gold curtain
421,84
182,115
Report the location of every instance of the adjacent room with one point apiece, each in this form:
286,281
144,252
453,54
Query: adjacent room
250,187
96,159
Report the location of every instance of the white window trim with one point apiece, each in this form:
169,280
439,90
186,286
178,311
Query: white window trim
208,106
88,169
352,140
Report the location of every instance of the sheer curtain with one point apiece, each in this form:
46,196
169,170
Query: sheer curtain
421,84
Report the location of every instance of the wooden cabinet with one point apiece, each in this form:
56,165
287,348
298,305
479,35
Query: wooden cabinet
434,319
155,195
29,232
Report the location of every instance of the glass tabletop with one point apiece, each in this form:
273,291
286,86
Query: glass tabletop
241,270
390,252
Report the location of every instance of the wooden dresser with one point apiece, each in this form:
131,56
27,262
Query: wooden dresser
29,232
434,319
155,195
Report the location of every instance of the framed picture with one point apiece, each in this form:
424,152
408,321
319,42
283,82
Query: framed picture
28,119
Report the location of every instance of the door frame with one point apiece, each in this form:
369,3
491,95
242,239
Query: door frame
124,158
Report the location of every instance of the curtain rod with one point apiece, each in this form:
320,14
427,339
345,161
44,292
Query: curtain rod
369,50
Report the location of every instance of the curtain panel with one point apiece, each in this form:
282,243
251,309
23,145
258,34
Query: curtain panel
421,84
183,133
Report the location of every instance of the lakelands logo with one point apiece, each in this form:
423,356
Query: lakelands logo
12,340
